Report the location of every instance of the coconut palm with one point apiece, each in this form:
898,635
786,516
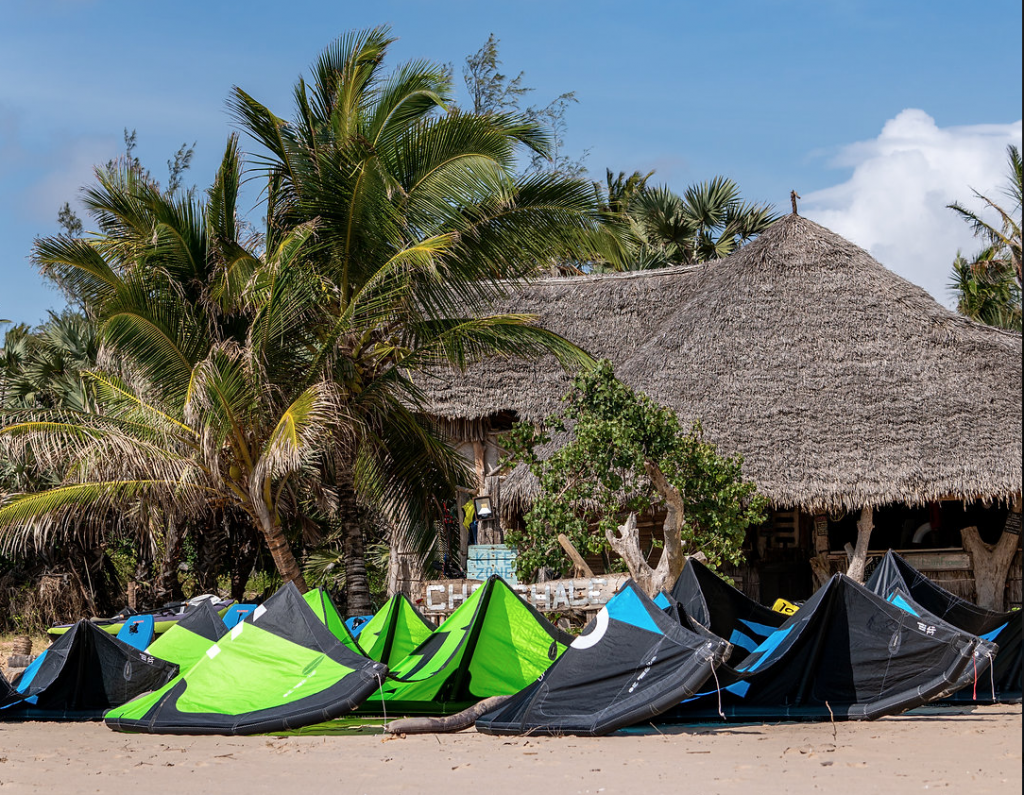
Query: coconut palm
1004,241
709,221
421,222
988,287
188,419
273,376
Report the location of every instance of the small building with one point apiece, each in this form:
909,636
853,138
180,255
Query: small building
842,385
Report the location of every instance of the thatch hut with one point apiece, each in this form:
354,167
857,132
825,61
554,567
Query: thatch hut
843,386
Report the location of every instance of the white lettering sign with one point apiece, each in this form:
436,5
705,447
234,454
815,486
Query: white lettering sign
444,596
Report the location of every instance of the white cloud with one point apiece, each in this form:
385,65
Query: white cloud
894,203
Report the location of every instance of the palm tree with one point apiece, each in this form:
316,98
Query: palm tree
421,223
709,221
988,288
189,419
44,368
274,376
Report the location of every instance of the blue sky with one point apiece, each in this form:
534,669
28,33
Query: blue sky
877,113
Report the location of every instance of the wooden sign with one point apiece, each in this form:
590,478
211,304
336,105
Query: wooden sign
487,559
444,596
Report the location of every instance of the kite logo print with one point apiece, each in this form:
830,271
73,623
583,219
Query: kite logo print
128,671
643,673
927,629
307,672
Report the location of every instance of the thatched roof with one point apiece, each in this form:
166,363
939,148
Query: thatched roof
841,383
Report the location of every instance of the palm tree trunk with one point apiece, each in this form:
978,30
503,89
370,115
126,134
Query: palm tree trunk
244,544
277,543
357,584
166,587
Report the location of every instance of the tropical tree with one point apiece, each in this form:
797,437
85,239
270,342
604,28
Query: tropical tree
490,91
621,454
164,279
44,368
709,221
988,287
271,376
421,223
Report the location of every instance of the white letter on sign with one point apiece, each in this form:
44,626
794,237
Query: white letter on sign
431,604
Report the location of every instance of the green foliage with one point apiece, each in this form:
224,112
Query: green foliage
490,90
493,92
988,287
69,221
599,474
987,290
709,221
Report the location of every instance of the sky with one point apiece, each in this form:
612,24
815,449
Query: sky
877,113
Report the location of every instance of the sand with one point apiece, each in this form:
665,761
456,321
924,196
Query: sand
978,749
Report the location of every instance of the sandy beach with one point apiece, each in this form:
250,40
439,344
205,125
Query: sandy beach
932,749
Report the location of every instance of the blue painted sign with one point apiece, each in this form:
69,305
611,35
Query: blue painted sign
487,559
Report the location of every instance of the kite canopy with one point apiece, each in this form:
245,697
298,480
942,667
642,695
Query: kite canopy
163,618
632,663
85,672
895,574
8,695
847,653
394,632
320,602
712,603
282,671
137,631
187,641
494,644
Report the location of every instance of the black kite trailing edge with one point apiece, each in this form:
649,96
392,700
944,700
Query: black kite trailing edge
631,663
1003,681
847,653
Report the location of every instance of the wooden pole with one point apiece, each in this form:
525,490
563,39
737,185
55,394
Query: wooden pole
582,569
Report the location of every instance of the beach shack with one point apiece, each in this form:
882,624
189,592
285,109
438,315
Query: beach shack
849,391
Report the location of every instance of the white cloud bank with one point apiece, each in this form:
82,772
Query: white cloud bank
894,204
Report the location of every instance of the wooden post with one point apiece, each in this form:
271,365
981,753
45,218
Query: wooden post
581,569
991,562
489,531
479,464
859,560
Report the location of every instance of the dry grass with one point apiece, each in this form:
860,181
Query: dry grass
40,640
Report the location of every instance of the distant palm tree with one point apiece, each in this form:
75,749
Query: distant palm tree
709,221
44,368
1003,241
987,290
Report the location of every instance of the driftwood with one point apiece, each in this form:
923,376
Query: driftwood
859,560
820,570
991,563
626,542
448,723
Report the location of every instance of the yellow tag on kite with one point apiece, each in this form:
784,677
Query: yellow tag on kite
784,607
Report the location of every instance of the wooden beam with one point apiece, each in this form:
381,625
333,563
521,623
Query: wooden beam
582,569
